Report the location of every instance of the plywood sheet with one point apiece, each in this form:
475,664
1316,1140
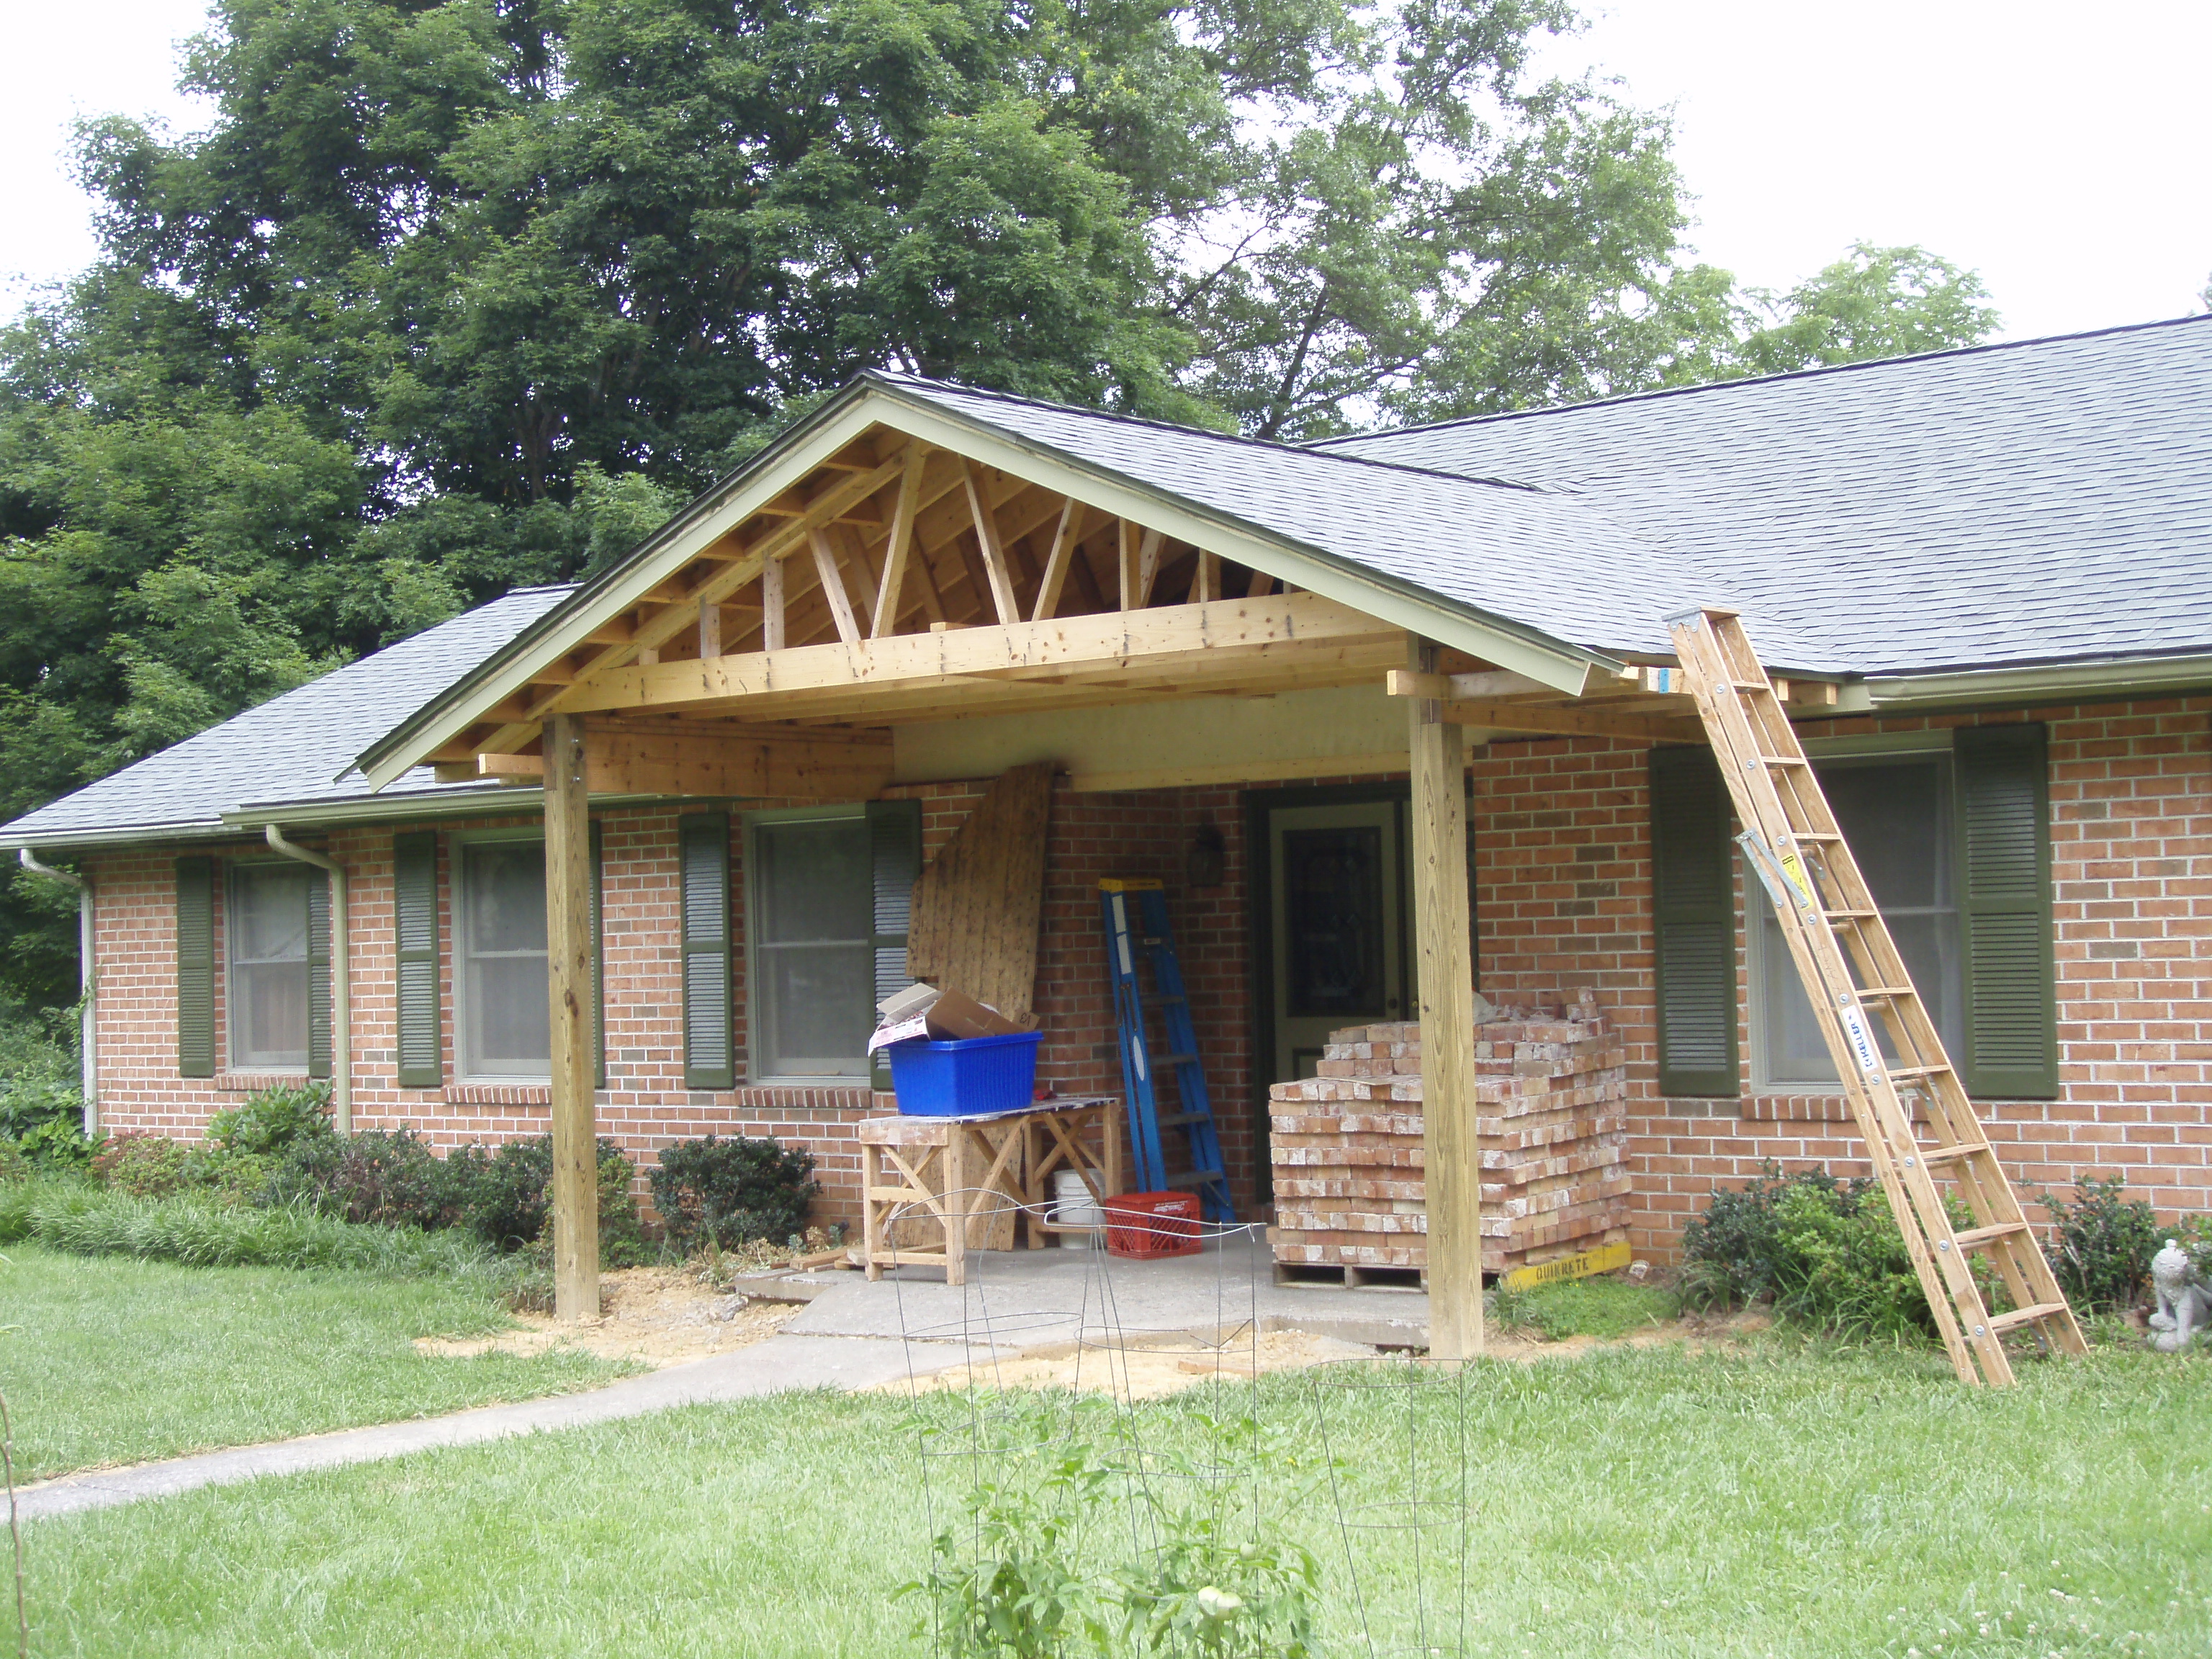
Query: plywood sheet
977,907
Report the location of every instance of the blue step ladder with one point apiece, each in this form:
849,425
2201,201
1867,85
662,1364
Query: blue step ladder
1126,938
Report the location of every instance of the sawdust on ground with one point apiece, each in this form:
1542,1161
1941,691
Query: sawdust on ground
660,1317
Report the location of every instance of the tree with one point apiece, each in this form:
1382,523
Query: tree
1875,302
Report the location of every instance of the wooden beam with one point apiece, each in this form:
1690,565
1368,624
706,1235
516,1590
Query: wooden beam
1206,585
1064,541
1261,581
710,628
569,956
1125,559
1148,567
994,552
1293,629
1589,718
1451,1155
771,577
833,586
709,766
901,545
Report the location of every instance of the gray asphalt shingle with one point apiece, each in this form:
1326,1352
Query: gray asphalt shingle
293,747
2040,501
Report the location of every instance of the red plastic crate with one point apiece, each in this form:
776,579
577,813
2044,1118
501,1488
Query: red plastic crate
1147,1224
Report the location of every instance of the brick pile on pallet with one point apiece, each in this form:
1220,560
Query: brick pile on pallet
1551,1113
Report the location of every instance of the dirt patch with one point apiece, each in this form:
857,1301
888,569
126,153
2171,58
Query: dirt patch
1139,1373
660,1317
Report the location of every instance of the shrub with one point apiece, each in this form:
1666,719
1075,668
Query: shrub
154,1166
2102,1244
382,1177
268,1124
1843,1267
1732,1254
14,1168
733,1191
42,1119
506,1196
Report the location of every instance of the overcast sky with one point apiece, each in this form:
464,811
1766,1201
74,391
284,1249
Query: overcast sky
2052,149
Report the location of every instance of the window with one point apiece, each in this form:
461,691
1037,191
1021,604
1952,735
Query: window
1899,813
504,1026
267,936
811,929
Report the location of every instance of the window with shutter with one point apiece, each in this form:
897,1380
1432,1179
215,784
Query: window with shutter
895,846
415,910
2011,1044
318,972
195,967
270,960
1693,924
710,1038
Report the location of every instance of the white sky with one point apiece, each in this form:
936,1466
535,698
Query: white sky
2055,150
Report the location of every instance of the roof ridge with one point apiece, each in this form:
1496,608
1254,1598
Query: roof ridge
1271,445
1740,382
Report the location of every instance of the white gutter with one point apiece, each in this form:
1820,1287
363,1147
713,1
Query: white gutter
88,1057
2111,678
341,978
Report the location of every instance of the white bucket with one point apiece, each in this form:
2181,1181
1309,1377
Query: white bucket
1073,1206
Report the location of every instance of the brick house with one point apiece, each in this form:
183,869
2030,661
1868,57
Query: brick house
1986,577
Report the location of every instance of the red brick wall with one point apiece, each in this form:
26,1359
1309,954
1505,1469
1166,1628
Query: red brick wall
1563,855
1563,851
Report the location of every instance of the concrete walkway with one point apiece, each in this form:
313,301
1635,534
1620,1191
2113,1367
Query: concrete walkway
854,1335
781,1362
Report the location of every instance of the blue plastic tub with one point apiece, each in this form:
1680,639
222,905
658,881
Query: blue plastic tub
970,1074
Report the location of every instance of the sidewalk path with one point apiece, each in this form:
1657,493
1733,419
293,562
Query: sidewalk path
782,1362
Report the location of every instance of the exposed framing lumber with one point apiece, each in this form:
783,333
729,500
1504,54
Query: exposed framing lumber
569,958
1589,718
1148,567
994,552
1125,560
771,606
833,586
900,545
806,767
1451,1152
1064,542
710,628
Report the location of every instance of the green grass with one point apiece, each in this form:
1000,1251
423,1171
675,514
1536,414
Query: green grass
1588,1307
109,1359
1630,1502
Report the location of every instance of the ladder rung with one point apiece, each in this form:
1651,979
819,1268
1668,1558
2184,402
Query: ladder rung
1951,1154
1975,1237
1888,993
1171,998
1832,917
1917,1071
1181,1118
2019,1317
1784,760
1197,1178
1752,685
1177,1060
1814,835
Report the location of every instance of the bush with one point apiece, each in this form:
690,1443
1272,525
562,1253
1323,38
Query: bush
154,1166
1843,1267
1732,1255
270,1123
381,1177
14,1168
733,1191
508,1197
2102,1244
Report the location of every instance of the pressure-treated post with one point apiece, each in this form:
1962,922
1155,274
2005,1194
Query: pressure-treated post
568,986
1450,1150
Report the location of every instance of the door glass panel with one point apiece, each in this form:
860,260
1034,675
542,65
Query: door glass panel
1333,898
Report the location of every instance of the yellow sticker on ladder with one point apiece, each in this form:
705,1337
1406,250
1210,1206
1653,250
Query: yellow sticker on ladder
1793,869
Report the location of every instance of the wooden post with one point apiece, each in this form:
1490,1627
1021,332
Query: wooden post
1450,1153
568,989
772,605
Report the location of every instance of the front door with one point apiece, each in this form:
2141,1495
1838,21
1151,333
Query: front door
1337,925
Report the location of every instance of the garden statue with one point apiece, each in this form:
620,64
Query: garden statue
2184,1305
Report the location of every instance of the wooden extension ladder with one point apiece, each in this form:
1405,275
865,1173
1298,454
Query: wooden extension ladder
1849,962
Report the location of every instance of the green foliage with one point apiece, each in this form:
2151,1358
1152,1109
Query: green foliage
1212,1590
379,1177
154,1166
41,1110
1733,1253
1842,1267
16,1170
1876,302
1601,1307
733,1191
273,1122
1003,1584
2101,1244
506,1196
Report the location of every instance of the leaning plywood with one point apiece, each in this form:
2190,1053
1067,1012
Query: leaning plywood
977,905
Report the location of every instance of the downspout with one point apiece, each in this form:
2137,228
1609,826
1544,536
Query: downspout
341,978
87,1060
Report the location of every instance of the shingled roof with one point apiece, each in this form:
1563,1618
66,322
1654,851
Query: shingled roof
298,746
2043,501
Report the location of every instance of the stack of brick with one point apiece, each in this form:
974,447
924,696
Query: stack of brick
1551,1095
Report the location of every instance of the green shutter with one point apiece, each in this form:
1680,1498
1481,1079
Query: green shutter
415,911
319,973
598,955
895,849
195,967
710,1038
2004,913
1693,924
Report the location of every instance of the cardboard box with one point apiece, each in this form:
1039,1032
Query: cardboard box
923,1010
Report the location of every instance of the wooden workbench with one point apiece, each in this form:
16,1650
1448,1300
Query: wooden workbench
964,1173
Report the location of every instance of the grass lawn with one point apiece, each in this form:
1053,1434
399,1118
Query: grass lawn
1629,1503
108,1360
